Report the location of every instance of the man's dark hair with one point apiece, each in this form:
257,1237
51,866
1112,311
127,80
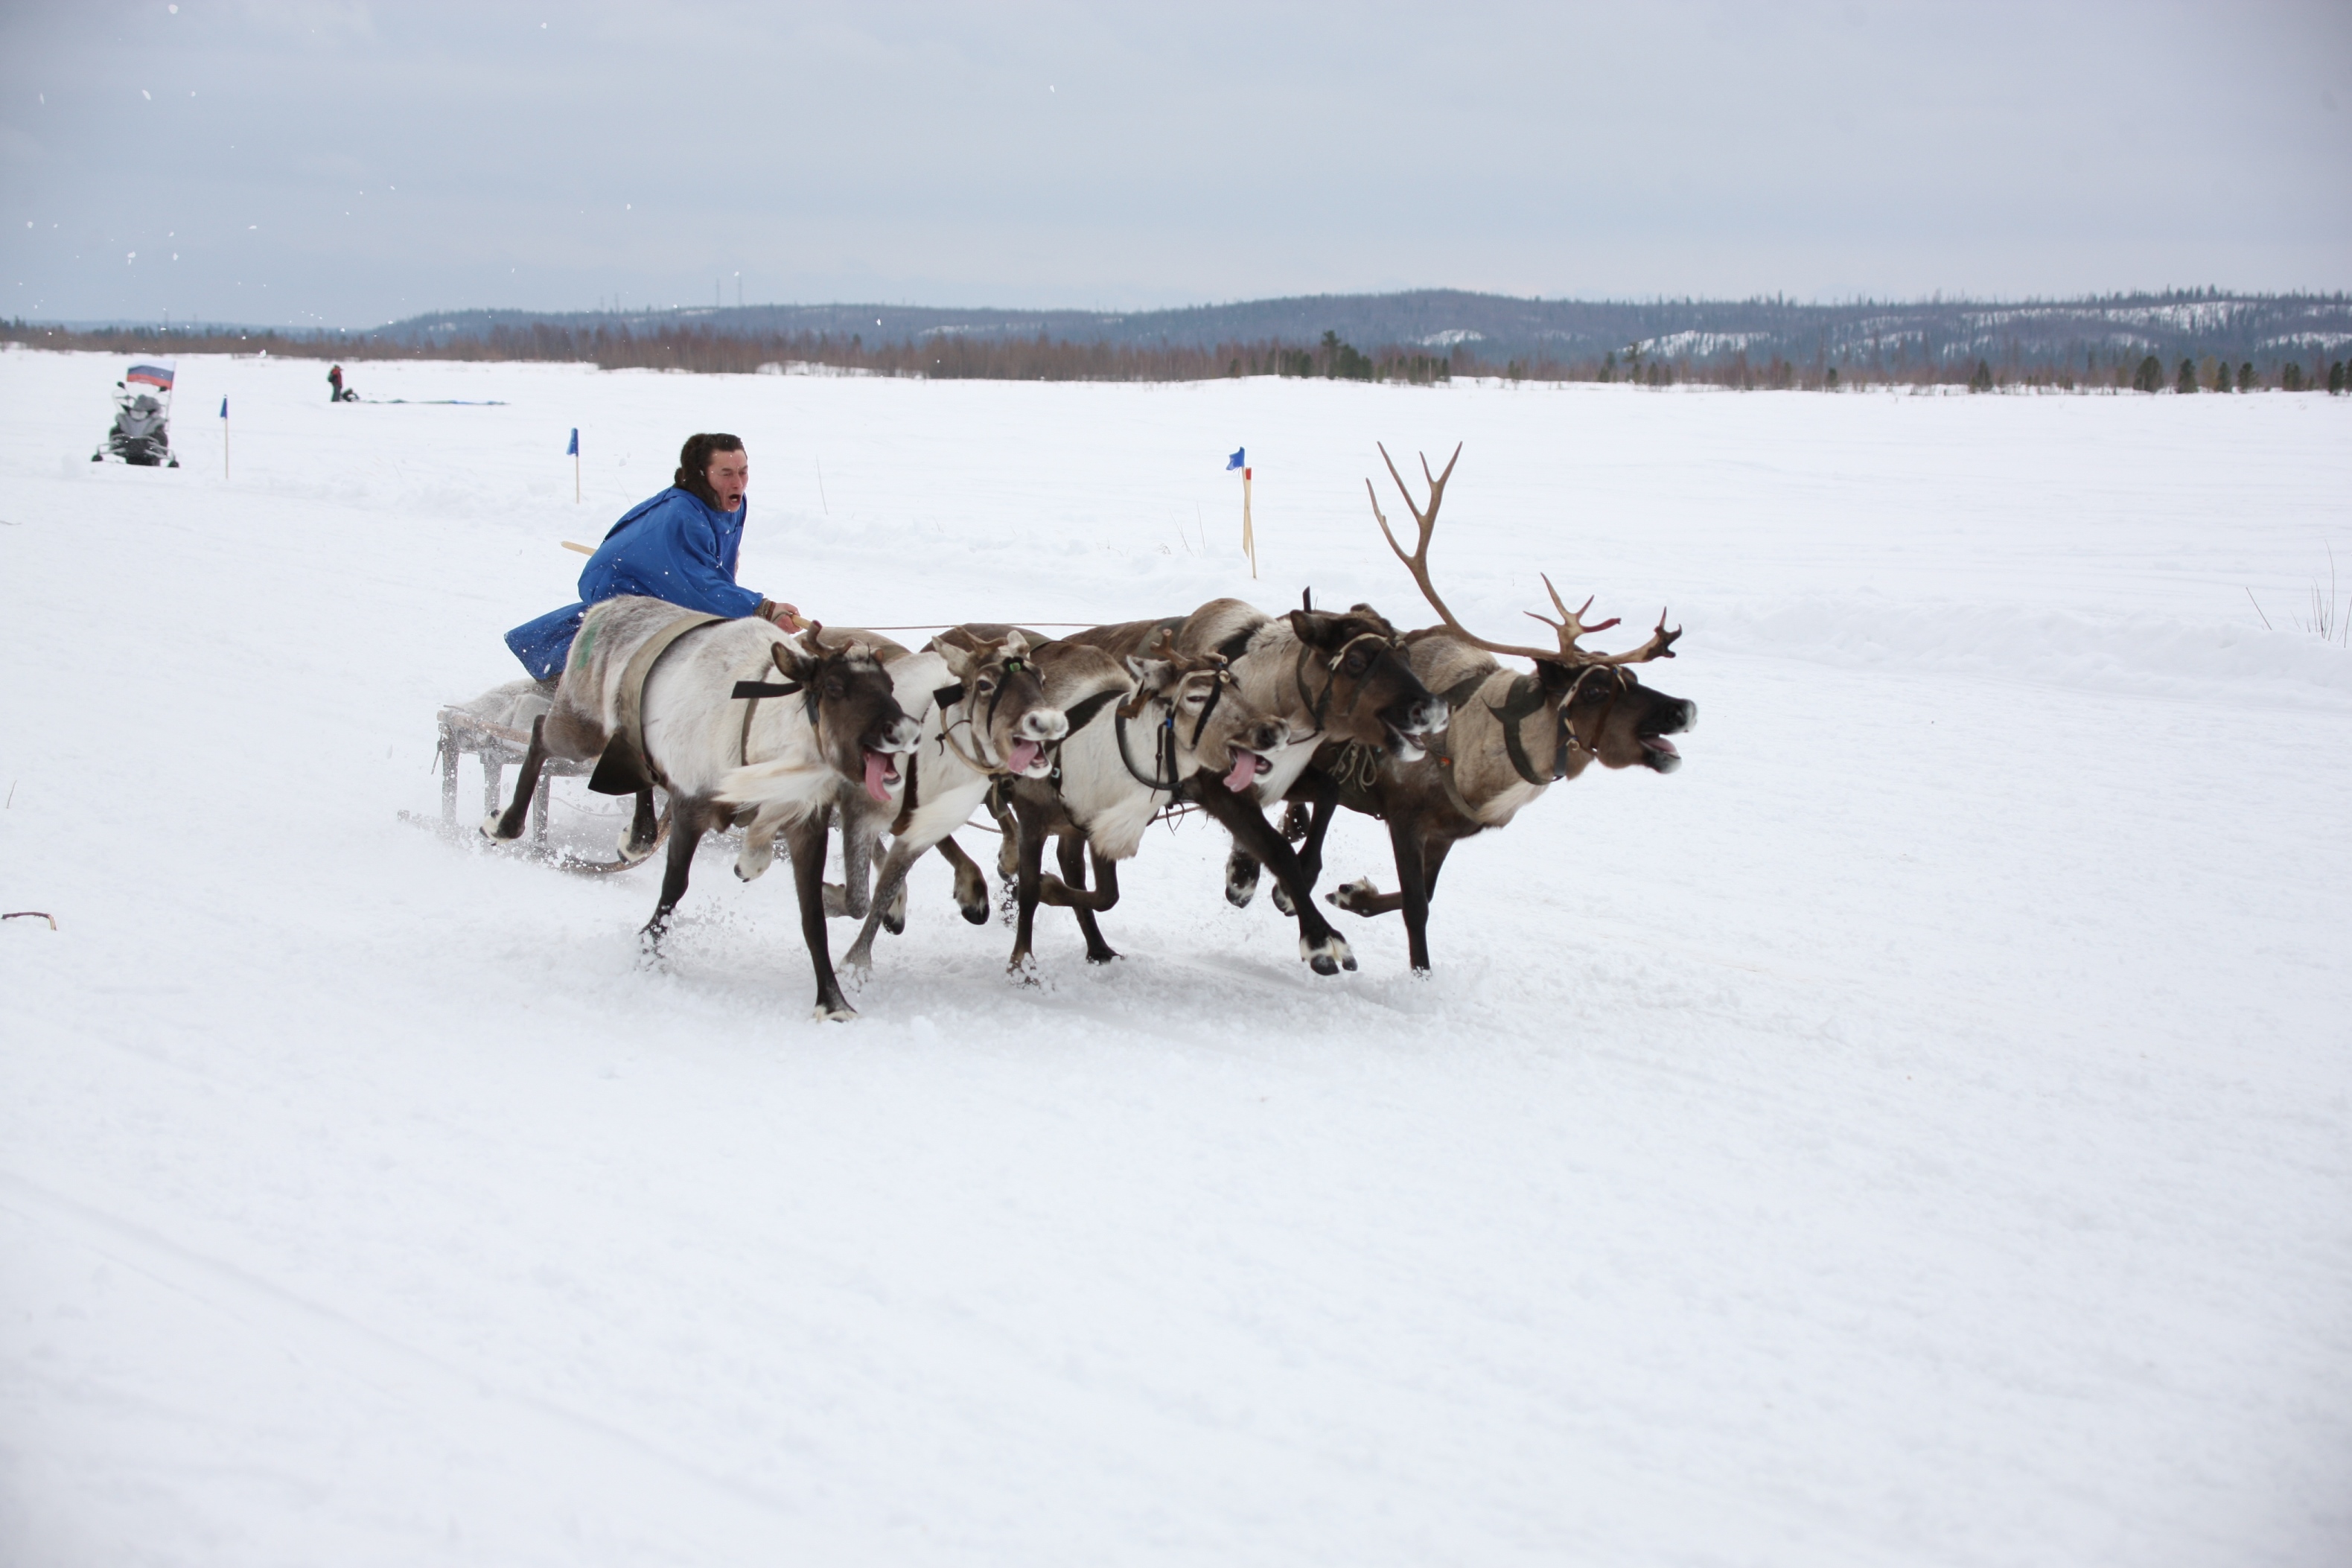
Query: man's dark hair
694,464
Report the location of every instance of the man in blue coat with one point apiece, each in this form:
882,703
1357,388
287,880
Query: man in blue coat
680,546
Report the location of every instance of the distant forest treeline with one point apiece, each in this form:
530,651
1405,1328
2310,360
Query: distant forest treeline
2195,341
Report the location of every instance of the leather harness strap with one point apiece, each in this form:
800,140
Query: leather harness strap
749,693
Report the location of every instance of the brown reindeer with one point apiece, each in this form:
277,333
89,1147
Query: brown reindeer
1511,736
1326,677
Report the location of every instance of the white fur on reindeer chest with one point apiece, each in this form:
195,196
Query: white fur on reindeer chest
700,745
946,790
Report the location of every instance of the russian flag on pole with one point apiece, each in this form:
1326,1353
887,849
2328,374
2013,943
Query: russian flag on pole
154,376
574,449
1235,460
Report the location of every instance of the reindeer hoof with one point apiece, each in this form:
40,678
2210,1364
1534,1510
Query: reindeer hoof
1328,957
490,830
632,851
1347,896
1281,897
976,914
1241,881
834,1012
1105,956
751,865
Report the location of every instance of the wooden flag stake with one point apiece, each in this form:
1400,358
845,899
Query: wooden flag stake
1249,540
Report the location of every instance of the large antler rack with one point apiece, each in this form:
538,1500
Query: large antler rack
1567,629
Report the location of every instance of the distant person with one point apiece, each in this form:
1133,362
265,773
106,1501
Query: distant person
335,383
680,546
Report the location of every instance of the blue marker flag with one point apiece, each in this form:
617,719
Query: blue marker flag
1235,460
224,407
574,449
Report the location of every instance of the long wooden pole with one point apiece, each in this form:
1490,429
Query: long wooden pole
1249,539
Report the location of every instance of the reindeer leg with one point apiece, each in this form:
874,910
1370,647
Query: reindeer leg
759,851
970,886
1241,876
1325,950
1008,849
1028,837
1319,795
890,893
686,832
1360,898
1323,791
1433,857
644,829
853,894
804,842
1072,852
1412,889
507,826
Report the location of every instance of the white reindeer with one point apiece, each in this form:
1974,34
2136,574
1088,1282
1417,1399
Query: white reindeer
727,751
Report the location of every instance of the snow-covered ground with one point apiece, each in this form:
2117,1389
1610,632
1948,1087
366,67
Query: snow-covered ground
1918,1132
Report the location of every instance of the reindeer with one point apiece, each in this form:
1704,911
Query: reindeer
1510,738
1180,731
1327,678
725,754
985,717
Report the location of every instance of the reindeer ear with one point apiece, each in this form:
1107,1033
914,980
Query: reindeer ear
1554,677
1148,674
792,659
955,655
1016,644
1313,626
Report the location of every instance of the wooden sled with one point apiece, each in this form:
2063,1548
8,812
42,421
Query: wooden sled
497,747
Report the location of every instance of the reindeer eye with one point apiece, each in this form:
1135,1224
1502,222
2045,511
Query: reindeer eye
1354,663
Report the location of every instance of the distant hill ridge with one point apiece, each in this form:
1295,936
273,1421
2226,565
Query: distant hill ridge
1494,329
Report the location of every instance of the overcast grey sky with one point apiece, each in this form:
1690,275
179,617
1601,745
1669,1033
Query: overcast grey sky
313,162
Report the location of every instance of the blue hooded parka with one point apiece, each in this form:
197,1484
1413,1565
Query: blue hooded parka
672,547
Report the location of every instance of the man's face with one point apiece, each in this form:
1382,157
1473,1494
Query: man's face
728,474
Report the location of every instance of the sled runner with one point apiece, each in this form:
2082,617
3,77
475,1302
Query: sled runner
495,728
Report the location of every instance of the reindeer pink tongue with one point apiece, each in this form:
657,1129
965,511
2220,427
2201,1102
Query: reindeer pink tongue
1023,757
1247,765
879,776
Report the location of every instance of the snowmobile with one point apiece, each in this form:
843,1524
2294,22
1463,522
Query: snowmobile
142,435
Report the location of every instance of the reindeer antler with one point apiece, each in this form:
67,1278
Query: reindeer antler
1567,629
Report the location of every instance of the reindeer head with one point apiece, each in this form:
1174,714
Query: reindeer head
1365,691
1215,728
1603,709
1610,717
1002,695
860,729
